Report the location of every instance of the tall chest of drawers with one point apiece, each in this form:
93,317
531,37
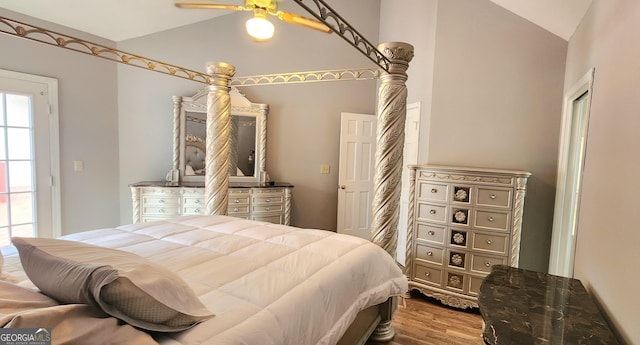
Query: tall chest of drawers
462,221
157,201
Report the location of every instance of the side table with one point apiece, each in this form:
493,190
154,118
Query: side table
525,307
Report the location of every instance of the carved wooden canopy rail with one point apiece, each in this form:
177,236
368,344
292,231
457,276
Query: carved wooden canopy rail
393,58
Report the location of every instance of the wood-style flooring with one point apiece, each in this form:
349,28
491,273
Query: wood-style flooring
426,321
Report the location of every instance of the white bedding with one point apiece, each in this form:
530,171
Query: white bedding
265,283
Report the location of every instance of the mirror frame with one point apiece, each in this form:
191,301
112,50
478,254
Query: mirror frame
240,105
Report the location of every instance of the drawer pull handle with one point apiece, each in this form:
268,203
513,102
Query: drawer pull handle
426,274
434,190
430,233
492,196
489,241
237,201
235,209
490,219
267,209
488,264
161,201
432,211
197,211
268,200
161,210
197,201
429,253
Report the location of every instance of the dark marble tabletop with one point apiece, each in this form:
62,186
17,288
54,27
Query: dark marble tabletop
201,184
526,307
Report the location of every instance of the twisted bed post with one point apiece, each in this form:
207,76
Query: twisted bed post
392,112
218,131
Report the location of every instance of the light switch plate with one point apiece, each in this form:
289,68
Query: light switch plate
324,168
78,165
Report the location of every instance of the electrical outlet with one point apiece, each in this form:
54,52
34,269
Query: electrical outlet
324,169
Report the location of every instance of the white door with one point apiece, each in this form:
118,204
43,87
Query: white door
356,172
29,197
410,156
572,151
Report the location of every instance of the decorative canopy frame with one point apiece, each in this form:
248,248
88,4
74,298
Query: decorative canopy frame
393,58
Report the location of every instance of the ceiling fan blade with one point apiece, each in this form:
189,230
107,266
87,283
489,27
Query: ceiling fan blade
209,6
304,21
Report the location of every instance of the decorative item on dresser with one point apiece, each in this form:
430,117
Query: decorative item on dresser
157,200
462,221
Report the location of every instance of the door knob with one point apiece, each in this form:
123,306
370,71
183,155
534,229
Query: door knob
343,186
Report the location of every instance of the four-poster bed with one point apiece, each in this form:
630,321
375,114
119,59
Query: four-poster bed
393,58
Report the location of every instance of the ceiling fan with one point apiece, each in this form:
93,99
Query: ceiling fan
258,26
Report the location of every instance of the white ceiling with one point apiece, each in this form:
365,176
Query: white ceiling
125,19
561,17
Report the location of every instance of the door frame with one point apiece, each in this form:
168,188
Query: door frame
563,240
54,146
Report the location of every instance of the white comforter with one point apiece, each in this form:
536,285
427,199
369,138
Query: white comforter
266,283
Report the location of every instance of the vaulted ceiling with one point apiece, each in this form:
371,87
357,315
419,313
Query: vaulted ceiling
121,20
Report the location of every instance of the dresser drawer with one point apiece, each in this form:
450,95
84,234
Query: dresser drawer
430,233
430,212
193,192
474,284
238,209
483,263
461,194
145,219
459,216
193,201
238,199
427,190
494,197
428,275
166,212
455,281
267,208
458,238
496,243
457,259
273,218
273,198
431,254
494,220
160,192
159,200
190,210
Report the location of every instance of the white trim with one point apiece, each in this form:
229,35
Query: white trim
52,93
562,240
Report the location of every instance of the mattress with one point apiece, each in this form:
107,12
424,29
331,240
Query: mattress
266,283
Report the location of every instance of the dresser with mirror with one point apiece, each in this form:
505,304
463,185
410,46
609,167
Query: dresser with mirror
252,195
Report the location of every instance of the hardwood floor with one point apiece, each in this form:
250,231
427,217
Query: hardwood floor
426,321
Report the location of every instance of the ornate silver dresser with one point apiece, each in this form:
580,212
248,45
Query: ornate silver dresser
462,221
257,201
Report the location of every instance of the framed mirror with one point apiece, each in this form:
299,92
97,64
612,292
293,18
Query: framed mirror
248,137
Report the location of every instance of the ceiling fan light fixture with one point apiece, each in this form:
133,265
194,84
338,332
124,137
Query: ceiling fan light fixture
258,27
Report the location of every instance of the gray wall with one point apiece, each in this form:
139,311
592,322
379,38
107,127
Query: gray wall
414,22
490,84
88,122
497,103
607,257
304,121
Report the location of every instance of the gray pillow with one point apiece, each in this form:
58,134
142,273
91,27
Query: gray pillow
122,284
